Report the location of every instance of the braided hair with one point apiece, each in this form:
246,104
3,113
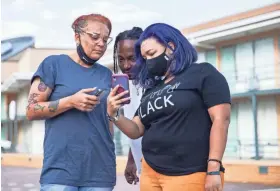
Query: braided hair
132,34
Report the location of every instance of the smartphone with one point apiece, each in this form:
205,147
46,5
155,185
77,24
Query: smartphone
123,81
98,92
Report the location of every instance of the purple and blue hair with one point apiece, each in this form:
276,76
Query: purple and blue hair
183,55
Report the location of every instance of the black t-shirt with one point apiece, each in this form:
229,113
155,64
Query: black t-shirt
176,119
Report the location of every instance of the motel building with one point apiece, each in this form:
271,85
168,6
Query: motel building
244,47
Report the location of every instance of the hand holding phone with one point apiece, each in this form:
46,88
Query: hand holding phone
123,81
84,100
98,92
115,101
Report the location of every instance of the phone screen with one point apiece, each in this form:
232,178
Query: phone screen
123,81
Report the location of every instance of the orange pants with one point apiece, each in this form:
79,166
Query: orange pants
152,181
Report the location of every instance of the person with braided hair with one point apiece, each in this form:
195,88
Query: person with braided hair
79,152
124,59
183,116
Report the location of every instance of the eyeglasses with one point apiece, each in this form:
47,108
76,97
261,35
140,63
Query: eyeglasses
96,37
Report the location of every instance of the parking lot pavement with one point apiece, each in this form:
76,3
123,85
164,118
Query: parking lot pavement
26,179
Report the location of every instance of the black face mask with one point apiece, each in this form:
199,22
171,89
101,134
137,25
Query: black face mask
158,66
83,56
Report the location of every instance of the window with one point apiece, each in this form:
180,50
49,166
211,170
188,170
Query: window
201,57
267,127
233,148
244,61
245,126
211,57
3,107
279,49
278,65
228,65
4,131
264,62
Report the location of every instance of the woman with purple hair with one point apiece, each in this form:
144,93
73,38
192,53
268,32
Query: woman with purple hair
183,116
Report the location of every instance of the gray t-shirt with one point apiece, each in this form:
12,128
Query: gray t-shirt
78,147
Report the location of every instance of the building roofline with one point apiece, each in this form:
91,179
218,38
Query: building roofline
60,48
232,18
13,46
17,37
53,48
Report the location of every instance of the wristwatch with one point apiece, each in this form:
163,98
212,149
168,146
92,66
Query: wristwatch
213,173
113,119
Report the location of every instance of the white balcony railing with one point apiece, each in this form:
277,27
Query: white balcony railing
259,78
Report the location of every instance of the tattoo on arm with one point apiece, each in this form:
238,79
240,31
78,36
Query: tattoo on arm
38,107
42,87
32,100
53,106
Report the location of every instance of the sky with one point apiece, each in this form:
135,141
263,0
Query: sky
49,21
